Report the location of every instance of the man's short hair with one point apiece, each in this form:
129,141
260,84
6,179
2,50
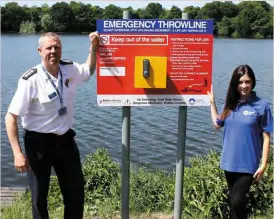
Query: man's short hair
48,34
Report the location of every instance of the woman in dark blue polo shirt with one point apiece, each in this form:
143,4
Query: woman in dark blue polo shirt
247,123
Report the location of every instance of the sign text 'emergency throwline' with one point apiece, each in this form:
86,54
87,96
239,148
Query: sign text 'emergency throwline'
186,26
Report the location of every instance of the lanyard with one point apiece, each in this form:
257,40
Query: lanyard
54,86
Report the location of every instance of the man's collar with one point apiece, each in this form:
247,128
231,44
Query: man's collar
43,70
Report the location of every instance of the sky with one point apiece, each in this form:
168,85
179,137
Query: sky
123,3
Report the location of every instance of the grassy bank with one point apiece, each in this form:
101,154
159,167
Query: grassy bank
205,193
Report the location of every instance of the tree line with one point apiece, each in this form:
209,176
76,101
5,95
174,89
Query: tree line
247,19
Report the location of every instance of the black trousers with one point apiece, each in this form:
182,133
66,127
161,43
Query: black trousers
45,151
238,186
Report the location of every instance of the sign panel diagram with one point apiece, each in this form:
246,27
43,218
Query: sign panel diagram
154,62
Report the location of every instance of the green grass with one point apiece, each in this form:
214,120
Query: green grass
152,192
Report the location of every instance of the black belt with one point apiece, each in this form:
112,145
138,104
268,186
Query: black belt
70,133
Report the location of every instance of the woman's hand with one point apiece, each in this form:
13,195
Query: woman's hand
211,95
259,173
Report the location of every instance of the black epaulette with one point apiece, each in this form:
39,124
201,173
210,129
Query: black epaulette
66,62
29,73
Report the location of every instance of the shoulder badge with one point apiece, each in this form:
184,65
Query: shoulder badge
66,62
29,73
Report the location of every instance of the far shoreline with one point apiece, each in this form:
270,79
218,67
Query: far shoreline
84,33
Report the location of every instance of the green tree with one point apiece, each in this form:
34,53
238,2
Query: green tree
253,20
236,26
225,27
45,8
259,27
269,25
266,6
84,16
12,16
140,13
47,23
164,14
153,11
34,15
228,9
27,27
4,23
211,11
97,13
246,19
192,11
112,12
62,17
174,13
252,4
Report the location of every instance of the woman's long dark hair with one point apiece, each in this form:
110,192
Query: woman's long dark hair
233,95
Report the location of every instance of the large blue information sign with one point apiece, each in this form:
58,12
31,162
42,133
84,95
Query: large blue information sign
154,26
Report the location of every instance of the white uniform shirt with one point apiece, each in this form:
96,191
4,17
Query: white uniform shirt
37,104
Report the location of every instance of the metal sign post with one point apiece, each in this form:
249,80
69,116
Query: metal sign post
180,162
125,150
125,161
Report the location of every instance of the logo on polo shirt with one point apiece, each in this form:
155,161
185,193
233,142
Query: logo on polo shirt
248,113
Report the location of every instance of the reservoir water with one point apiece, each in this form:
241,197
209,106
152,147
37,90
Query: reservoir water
153,129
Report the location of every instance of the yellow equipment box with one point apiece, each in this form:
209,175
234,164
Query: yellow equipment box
156,75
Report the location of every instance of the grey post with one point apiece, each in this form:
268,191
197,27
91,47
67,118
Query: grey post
180,162
125,151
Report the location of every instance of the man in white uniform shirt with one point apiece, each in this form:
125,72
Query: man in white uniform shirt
43,100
